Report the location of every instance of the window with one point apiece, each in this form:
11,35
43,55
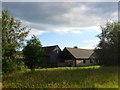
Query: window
57,51
84,61
90,61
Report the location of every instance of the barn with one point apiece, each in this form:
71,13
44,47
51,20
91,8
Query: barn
78,57
52,55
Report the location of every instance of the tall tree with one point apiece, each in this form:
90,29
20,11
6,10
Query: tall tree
1,35
107,49
33,53
13,36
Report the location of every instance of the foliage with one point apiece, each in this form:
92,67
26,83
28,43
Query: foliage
10,66
107,49
33,53
66,77
0,45
13,36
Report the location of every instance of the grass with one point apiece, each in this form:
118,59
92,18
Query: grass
66,77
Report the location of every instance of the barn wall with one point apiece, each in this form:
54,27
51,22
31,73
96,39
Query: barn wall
54,56
80,63
70,62
67,55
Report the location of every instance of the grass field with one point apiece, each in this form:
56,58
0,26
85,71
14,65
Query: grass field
67,77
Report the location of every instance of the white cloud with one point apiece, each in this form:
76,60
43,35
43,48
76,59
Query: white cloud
76,32
91,41
90,44
95,28
65,30
88,47
38,29
35,32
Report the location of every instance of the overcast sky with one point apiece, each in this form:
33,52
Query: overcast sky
66,24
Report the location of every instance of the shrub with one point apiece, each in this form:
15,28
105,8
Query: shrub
10,66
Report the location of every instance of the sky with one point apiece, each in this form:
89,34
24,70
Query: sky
66,24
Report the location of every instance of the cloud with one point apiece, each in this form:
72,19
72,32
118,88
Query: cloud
64,30
90,44
56,29
95,28
63,17
76,32
65,14
61,1
88,47
39,29
67,18
35,32
35,27
91,41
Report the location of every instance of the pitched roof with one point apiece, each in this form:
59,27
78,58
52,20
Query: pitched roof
48,49
80,53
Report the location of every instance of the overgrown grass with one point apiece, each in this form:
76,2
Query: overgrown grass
67,77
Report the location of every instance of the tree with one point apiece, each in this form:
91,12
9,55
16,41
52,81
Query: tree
33,53
0,45
13,37
107,50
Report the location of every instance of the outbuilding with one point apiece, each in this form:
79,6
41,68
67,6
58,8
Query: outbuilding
78,57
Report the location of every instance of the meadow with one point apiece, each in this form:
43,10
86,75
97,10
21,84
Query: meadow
64,77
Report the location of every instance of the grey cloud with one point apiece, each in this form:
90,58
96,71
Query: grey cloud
37,12
103,9
61,14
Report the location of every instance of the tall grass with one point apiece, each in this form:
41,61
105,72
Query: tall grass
66,77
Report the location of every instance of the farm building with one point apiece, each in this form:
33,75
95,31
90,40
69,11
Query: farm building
78,57
52,55
69,56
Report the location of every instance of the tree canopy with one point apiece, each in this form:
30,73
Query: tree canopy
107,50
13,36
33,53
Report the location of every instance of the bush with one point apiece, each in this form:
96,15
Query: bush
10,66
